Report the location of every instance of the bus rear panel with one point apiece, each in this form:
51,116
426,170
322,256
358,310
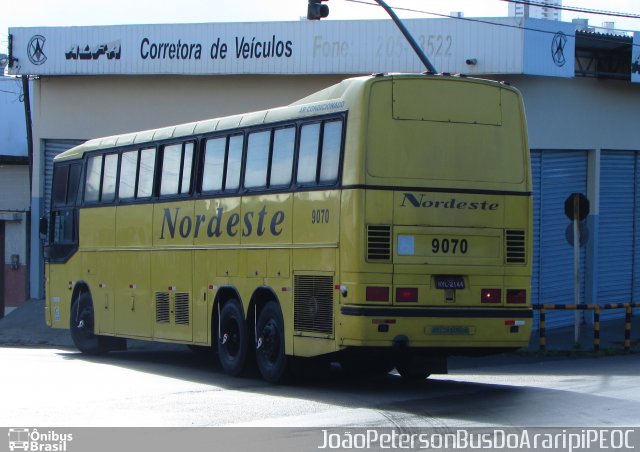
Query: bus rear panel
444,240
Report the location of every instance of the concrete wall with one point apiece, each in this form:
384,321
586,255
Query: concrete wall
89,107
14,187
580,113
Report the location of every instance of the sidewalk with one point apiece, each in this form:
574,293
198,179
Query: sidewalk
611,337
25,326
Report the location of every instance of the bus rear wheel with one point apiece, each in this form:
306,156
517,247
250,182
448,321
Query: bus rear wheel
233,338
362,367
270,355
413,371
82,326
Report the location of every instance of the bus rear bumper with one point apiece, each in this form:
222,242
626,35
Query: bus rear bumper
431,327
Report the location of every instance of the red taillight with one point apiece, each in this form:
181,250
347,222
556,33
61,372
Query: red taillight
406,294
491,295
377,293
516,296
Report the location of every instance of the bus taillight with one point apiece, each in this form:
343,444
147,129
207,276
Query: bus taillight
407,294
375,293
491,295
516,296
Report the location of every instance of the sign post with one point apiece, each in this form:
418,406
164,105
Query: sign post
576,208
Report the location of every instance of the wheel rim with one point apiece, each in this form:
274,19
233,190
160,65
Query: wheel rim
231,337
84,325
270,342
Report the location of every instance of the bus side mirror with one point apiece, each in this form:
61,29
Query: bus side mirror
44,228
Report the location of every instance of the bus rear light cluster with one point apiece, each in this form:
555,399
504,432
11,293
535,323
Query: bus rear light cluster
407,294
491,296
375,293
516,296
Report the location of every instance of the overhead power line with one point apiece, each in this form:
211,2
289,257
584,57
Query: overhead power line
575,9
470,19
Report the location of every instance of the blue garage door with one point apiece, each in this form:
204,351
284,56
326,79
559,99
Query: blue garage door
536,165
556,174
635,295
616,250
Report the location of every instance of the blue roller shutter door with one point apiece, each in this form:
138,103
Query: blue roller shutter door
561,173
635,295
616,231
536,163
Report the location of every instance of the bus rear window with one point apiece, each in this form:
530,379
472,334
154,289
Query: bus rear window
416,150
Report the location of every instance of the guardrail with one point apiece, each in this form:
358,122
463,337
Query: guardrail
628,307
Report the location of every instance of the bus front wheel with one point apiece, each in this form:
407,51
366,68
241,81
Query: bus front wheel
233,338
82,326
270,356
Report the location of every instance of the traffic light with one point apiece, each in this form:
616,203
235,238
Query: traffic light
317,10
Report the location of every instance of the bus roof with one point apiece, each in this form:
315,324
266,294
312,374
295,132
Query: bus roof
331,99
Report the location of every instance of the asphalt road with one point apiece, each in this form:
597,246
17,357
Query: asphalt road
174,387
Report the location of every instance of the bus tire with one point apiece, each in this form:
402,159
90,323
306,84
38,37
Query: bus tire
270,355
233,340
412,370
361,367
82,324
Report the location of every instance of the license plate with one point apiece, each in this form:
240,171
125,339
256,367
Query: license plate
449,282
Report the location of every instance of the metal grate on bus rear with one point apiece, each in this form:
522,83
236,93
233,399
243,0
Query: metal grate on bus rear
516,245
378,243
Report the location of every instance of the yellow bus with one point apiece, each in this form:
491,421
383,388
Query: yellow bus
382,222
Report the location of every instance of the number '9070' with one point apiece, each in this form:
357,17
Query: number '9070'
449,246
319,216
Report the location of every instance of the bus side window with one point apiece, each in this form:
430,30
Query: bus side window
171,157
60,181
63,226
214,155
146,172
93,179
331,144
109,178
128,171
75,171
100,184
284,141
308,154
66,181
234,163
257,159
187,164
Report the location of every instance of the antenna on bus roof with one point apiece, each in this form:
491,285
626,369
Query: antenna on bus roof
317,10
